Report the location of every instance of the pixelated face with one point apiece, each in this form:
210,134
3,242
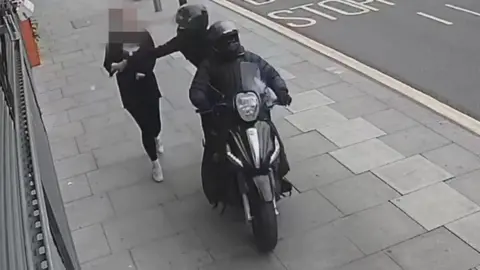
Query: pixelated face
124,24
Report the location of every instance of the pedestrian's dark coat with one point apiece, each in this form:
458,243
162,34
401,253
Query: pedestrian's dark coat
134,92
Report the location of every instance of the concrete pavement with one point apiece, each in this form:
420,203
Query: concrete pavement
383,183
430,45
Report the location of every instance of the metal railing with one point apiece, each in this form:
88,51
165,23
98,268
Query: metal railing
34,232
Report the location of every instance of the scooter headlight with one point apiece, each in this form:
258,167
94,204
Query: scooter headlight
247,105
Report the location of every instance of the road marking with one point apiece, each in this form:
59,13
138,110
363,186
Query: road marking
434,18
463,9
408,91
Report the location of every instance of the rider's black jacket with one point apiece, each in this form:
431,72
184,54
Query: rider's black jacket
224,76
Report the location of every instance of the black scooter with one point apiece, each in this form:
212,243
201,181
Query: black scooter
252,150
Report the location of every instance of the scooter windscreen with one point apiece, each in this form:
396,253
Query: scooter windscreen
252,81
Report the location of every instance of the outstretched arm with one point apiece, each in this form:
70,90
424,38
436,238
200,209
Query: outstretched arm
198,89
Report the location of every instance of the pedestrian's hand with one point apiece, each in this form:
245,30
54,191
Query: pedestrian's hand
119,66
139,76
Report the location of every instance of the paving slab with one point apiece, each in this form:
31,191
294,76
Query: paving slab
414,140
436,205
75,188
378,261
377,228
358,106
411,174
468,185
390,120
341,91
438,249
316,172
454,159
351,132
90,243
366,155
358,193
315,118
307,145
304,211
116,261
308,100
321,248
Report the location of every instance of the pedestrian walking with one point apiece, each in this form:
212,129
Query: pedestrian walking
136,82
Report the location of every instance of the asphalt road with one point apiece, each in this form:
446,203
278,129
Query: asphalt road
439,55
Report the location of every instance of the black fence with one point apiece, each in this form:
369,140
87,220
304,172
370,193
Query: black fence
34,232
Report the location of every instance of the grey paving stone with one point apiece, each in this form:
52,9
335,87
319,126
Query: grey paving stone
64,148
139,196
285,129
411,174
358,193
436,205
86,58
176,90
366,155
104,121
175,134
285,74
76,165
137,228
246,259
50,96
88,211
184,181
438,249
303,69
467,229
359,106
57,106
315,80
182,155
377,228
294,88
457,134
279,113
454,159
316,172
390,120
116,261
118,152
65,131
315,118
341,91
224,236
94,96
303,212
308,100
54,120
415,111
120,175
414,140
105,137
75,188
92,109
321,248
378,261
468,185
182,251
90,243
53,84
351,132
283,60
76,89
67,56
306,145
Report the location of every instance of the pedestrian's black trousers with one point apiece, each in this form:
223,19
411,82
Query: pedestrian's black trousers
147,117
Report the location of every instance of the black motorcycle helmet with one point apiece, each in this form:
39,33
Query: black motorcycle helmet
225,40
191,18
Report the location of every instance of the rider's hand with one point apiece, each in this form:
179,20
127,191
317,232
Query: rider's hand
285,99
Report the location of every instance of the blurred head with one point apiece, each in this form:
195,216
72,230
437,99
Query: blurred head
124,26
225,40
191,19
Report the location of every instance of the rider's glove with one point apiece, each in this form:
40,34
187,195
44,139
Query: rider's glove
285,99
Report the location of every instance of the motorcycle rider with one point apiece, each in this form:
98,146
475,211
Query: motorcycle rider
221,73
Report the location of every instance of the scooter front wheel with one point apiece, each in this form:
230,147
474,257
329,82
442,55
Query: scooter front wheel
264,226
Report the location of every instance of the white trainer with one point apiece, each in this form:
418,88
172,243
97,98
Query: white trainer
157,173
159,145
